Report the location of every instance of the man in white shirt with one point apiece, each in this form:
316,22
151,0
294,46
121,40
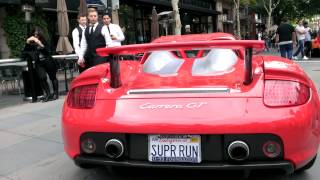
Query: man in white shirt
300,31
115,31
77,35
308,39
95,36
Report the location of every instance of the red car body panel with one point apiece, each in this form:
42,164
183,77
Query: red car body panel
242,111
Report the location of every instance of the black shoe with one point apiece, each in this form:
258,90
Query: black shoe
46,98
55,96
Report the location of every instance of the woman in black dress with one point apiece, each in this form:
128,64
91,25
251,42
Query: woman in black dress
44,63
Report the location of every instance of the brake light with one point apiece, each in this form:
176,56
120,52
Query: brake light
82,96
285,93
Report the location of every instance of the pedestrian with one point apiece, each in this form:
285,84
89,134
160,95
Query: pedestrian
285,38
77,36
187,29
259,35
96,35
267,40
308,41
301,36
273,40
44,63
114,30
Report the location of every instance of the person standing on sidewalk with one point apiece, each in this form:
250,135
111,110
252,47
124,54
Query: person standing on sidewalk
44,63
95,36
77,36
114,30
285,37
301,36
308,41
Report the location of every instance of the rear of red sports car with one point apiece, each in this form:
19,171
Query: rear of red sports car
194,109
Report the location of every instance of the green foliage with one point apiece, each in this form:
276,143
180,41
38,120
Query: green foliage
248,2
292,9
16,29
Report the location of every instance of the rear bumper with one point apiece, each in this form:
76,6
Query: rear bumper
286,166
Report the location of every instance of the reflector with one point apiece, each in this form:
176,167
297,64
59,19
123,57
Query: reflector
88,146
271,149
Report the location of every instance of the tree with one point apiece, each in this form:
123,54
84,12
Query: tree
237,6
270,6
237,13
16,29
176,16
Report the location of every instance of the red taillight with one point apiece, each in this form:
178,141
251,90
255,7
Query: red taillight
285,93
82,96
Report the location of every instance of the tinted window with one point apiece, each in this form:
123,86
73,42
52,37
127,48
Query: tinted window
162,63
216,61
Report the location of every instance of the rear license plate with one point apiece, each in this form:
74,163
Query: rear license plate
175,148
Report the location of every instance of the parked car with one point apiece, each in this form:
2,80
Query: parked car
193,101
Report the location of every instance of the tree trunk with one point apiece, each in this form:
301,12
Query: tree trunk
269,22
269,16
176,16
237,12
115,17
238,25
269,9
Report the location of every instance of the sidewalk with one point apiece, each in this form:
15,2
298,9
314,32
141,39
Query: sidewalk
274,52
13,98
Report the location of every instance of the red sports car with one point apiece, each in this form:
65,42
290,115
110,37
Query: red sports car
193,101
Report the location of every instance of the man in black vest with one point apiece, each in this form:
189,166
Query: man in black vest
95,36
77,36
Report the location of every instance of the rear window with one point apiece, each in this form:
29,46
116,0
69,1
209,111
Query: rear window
212,62
216,61
162,63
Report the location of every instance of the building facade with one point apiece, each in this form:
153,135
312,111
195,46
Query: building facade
134,17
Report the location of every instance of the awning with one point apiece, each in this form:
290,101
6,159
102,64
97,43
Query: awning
10,1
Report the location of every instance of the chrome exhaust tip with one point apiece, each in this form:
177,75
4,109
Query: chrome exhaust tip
114,148
238,151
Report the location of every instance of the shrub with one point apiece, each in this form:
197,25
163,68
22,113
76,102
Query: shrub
16,28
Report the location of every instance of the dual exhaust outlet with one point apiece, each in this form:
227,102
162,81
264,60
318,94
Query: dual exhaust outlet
114,148
237,150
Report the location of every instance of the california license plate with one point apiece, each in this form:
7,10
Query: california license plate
175,148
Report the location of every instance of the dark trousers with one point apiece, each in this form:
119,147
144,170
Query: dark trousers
49,67
46,67
307,49
93,60
286,50
300,48
81,69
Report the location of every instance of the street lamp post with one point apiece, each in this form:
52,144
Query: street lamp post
28,8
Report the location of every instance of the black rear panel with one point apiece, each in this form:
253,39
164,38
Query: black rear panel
214,147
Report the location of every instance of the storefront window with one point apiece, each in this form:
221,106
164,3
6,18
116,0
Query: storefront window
126,16
199,3
210,24
136,18
140,31
138,13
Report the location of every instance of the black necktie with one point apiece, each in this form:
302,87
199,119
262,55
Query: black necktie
91,31
108,29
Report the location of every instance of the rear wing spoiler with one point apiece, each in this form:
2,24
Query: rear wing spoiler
147,47
133,49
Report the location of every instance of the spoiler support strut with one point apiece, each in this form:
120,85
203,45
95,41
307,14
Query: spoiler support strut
248,66
115,78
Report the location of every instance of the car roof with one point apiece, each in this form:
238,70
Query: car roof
194,37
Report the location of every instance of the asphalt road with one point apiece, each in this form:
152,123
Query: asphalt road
31,148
